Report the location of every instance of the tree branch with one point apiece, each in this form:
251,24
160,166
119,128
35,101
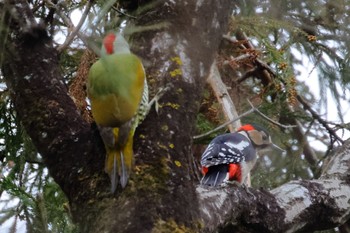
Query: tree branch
253,109
295,206
92,46
268,118
223,98
316,116
76,29
123,13
224,125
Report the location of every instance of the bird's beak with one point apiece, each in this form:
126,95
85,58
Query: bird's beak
277,147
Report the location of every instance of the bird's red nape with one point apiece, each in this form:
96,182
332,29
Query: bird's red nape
246,128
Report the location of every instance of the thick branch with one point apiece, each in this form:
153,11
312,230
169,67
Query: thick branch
223,97
301,206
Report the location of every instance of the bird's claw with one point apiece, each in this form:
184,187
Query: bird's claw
159,94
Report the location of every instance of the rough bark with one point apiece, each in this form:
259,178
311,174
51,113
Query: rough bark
71,148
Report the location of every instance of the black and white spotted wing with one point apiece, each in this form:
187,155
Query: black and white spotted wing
228,148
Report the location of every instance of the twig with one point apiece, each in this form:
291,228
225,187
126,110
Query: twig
223,125
269,119
102,13
76,29
248,74
70,24
266,67
318,118
259,62
123,13
253,109
34,161
242,36
243,57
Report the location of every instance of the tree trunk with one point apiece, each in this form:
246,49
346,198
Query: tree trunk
160,196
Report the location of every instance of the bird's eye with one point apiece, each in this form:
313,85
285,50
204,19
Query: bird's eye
265,137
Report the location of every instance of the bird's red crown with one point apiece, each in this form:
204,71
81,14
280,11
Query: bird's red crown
108,42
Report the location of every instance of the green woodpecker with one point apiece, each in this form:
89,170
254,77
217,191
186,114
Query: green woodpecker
118,94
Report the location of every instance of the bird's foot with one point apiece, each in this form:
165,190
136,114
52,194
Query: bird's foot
160,93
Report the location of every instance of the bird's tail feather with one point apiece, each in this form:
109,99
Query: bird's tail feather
111,168
117,168
114,175
124,174
126,159
215,176
119,161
